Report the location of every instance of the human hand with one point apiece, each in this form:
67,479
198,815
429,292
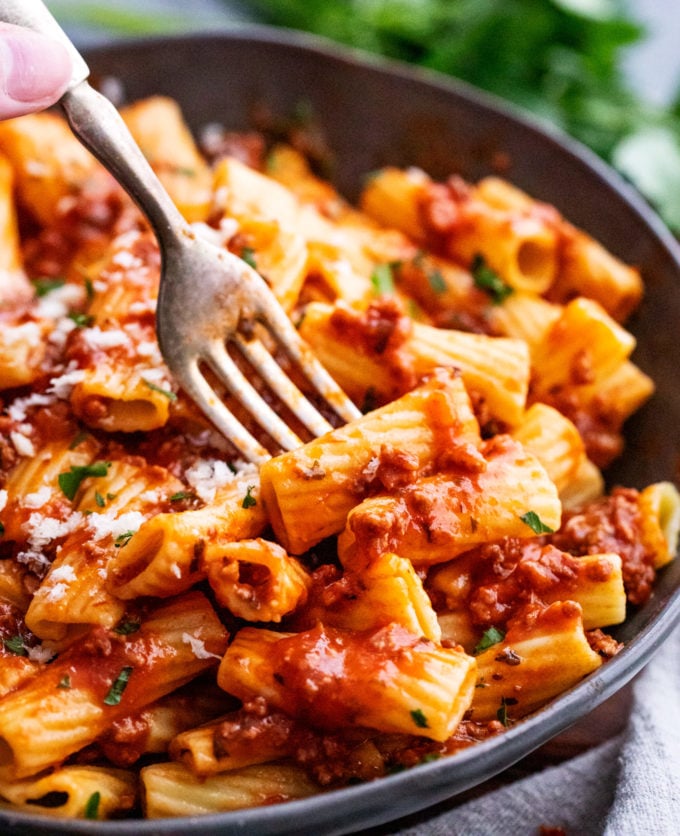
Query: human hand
34,71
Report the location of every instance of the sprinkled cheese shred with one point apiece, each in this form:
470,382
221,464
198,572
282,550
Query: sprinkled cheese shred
198,647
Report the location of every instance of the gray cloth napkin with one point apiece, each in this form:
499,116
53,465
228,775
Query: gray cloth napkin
628,786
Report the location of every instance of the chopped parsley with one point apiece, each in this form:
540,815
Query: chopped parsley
82,320
45,286
15,645
436,281
126,628
78,440
248,255
419,718
120,684
490,637
92,806
99,499
64,683
489,281
249,500
382,280
123,539
70,481
89,289
535,523
169,394
502,713
180,495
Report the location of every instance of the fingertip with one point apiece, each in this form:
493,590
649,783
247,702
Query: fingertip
34,71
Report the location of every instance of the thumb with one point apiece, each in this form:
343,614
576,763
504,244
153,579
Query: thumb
34,71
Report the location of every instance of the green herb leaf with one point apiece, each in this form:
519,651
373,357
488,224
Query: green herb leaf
123,539
248,255
502,713
82,320
126,628
382,280
15,645
70,481
249,500
419,718
89,289
489,281
535,523
120,684
78,439
436,281
92,806
490,637
65,682
181,495
45,286
170,395
99,499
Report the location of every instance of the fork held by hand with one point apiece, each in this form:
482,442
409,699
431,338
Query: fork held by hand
207,294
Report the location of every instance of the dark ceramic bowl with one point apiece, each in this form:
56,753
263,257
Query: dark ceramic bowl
373,114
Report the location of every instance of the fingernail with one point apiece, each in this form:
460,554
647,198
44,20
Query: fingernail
35,66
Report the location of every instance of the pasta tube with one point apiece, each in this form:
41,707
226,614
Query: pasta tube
170,789
102,677
328,474
387,679
92,792
438,517
532,664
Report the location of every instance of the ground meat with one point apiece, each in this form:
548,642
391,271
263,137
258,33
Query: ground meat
612,524
603,644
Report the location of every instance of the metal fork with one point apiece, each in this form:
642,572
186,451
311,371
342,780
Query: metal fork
208,297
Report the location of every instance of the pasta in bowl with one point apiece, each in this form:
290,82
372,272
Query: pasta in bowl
186,635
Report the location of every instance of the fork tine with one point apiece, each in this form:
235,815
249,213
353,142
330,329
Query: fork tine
232,377
282,328
258,356
202,393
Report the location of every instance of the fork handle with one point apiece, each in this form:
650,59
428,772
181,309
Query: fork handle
99,126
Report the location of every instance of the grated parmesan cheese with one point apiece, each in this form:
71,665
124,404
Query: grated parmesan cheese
54,593
103,525
63,573
57,336
62,386
38,498
58,302
40,654
126,260
206,476
35,561
96,338
29,332
198,647
22,444
3,499
17,410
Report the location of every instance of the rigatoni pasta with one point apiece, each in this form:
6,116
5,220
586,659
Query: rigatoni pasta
184,633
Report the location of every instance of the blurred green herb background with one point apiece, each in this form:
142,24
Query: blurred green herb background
562,60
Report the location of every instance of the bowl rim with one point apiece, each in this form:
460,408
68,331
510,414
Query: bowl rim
484,759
